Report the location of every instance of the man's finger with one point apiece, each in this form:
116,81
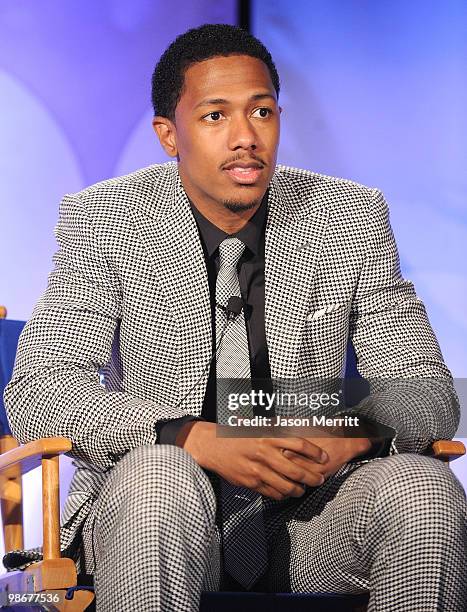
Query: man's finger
283,485
302,447
304,472
269,491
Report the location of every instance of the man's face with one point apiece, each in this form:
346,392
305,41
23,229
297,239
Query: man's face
226,132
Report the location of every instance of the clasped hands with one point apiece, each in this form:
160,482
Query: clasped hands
278,467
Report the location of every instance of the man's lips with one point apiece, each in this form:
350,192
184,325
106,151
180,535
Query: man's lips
244,175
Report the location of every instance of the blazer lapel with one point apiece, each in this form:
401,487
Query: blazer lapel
294,237
170,236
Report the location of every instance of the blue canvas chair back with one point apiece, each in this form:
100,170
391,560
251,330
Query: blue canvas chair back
9,334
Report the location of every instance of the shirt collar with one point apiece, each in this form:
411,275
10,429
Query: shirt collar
251,234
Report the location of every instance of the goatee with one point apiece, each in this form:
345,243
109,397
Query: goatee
235,206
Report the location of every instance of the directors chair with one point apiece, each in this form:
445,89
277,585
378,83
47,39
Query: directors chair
56,574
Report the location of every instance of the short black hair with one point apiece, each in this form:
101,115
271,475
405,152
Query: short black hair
197,45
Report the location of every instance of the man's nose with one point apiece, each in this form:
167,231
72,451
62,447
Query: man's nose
242,134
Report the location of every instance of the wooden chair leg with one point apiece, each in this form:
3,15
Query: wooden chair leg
11,500
51,507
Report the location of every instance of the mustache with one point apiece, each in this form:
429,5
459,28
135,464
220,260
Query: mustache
242,158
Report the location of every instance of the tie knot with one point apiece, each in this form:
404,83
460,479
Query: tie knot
230,251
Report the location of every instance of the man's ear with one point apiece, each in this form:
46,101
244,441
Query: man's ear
166,133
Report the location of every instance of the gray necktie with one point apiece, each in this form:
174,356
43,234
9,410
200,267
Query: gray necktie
245,552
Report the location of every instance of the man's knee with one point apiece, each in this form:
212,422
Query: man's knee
160,460
163,474
411,484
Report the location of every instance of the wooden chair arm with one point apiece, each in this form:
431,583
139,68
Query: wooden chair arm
30,455
447,450
21,460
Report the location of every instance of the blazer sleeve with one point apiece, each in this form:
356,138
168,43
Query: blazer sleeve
411,389
55,389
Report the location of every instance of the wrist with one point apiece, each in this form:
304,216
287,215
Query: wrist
195,437
360,446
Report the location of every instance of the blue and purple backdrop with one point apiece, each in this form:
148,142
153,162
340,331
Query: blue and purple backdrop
372,91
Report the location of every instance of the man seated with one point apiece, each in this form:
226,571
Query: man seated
221,266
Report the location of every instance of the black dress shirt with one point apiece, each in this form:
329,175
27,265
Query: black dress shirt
251,277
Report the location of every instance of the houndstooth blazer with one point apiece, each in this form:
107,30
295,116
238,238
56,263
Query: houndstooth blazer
129,297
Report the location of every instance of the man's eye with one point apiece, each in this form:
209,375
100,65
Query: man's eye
213,117
262,112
